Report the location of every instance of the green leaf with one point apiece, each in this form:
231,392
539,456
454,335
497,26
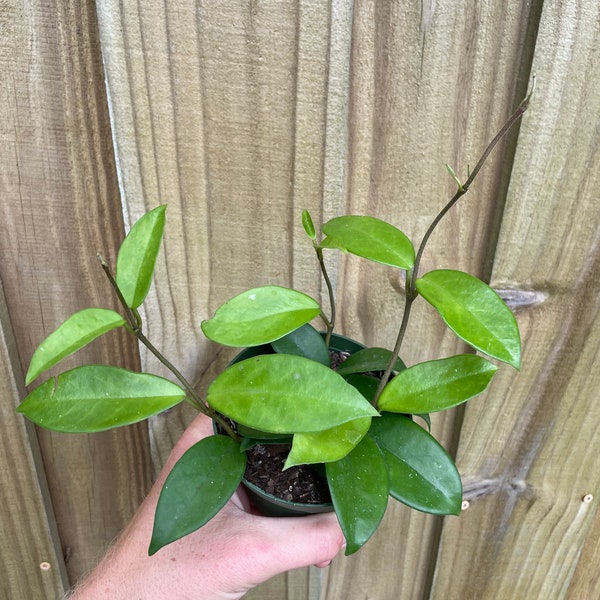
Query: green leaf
197,488
426,418
308,225
437,384
264,436
365,384
95,398
369,359
248,442
329,445
137,256
422,474
305,341
370,238
359,489
280,393
260,316
454,176
475,312
72,335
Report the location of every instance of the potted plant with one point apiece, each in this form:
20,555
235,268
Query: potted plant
349,422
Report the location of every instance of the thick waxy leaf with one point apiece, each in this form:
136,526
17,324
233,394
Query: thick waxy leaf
365,384
72,335
437,384
329,445
95,398
197,488
280,393
421,473
308,225
475,312
248,442
305,341
359,489
137,256
369,359
260,316
426,418
264,436
370,238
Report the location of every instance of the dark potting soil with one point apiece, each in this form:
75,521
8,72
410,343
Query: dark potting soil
300,483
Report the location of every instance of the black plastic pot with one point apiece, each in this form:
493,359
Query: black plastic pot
268,504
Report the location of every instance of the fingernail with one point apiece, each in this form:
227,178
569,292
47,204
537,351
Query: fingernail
323,564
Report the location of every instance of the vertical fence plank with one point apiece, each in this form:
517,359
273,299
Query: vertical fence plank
60,205
217,110
430,84
228,128
31,559
230,113
235,115
530,449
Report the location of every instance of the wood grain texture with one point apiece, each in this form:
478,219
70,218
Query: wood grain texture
529,450
207,121
60,205
240,115
234,115
410,112
31,559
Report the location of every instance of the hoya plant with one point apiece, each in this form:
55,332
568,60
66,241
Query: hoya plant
355,419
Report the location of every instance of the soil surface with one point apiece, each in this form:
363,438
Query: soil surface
297,484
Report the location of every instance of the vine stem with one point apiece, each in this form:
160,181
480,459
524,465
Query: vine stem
329,323
135,327
411,278
192,396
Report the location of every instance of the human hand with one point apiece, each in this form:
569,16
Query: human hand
231,554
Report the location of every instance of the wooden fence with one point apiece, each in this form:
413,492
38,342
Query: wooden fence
240,114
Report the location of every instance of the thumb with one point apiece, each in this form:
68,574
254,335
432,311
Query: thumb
295,542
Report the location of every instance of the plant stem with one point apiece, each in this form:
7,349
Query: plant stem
191,397
464,188
411,278
329,323
132,316
408,302
135,327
